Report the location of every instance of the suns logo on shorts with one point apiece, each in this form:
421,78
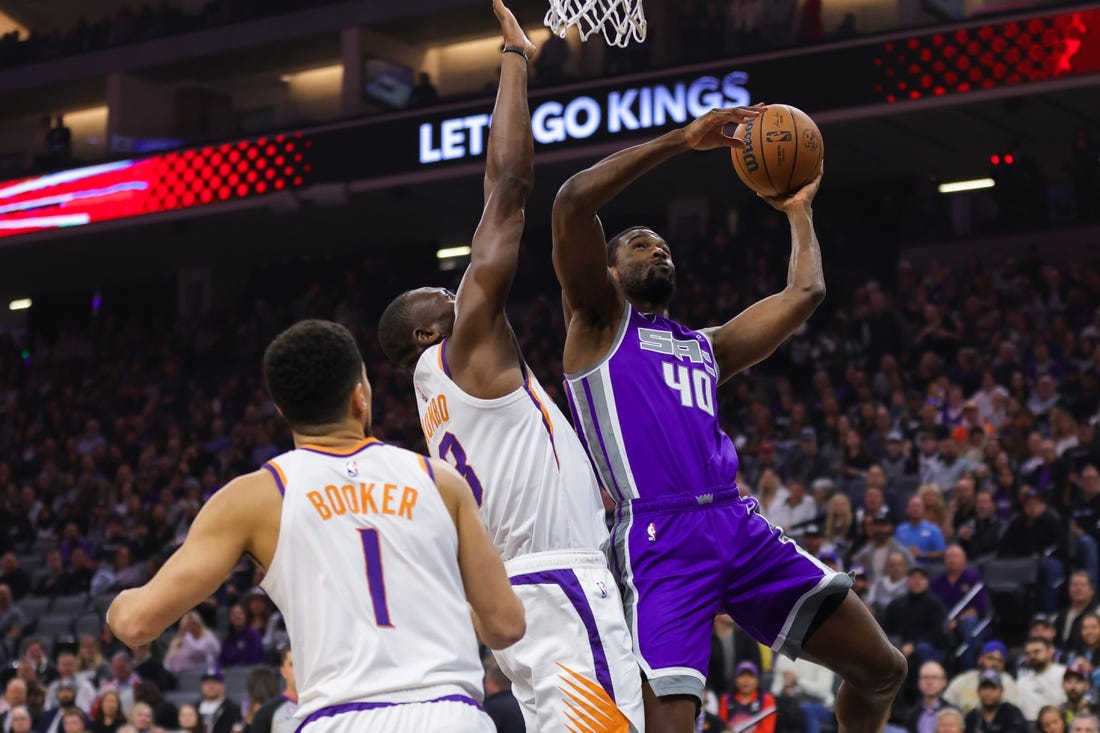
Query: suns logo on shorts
352,469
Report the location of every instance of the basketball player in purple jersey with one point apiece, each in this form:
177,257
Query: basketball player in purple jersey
643,388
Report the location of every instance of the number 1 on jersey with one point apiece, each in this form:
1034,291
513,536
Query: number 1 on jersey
449,444
372,553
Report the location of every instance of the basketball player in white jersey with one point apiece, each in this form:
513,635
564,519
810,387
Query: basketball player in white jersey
483,410
371,553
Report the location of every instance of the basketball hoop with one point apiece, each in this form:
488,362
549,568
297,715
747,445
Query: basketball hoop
620,21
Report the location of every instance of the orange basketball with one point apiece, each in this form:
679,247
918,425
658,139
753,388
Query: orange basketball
782,152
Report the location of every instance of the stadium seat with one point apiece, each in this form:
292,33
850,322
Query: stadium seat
70,605
190,680
43,545
1011,584
235,680
33,607
53,625
182,697
88,624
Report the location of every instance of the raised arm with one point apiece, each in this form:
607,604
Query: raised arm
224,530
756,332
482,339
580,259
496,610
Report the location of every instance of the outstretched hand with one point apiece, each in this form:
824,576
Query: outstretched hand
802,198
715,129
511,30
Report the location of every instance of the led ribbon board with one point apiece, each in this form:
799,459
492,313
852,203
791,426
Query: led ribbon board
168,182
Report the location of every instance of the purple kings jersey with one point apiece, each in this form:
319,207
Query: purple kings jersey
647,412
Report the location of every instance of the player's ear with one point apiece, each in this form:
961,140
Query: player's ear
425,336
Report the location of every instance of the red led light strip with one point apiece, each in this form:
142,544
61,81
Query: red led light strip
989,56
168,182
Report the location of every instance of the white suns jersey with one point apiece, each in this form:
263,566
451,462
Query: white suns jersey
528,471
366,575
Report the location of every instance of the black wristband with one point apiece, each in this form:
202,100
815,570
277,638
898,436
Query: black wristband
515,49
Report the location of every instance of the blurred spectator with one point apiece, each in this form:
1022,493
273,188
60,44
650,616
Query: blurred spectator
795,508
1082,601
149,668
1075,684
922,538
846,29
93,667
242,644
551,60
805,463
729,645
194,646
897,462
893,584
1040,682
882,544
1085,169
953,588
219,714
59,145
1088,648
50,721
424,94
261,685
18,720
11,616
915,624
190,722
808,685
1051,720
73,720
15,694
68,674
981,536
15,577
122,680
56,581
499,703
746,701
141,717
931,681
108,715
34,654
993,714
962,692
1037,533
277,715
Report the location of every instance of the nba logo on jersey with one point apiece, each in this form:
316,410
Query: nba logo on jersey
651,531
352,468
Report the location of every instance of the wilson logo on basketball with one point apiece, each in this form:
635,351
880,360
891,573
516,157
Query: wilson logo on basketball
748,153
778,136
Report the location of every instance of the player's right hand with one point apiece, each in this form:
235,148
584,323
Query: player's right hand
715,129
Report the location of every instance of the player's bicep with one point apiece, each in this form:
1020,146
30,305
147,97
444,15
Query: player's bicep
756,332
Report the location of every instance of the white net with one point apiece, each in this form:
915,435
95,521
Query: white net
620,21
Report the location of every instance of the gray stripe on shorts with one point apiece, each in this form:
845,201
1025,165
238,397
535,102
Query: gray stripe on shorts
790,639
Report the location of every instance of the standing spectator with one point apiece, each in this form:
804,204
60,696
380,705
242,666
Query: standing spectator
194,646
219,714
994,715
963,690
500,703
242,644
59,145
1040,682
424,94
922,538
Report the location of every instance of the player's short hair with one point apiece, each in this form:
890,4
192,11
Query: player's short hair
311,369
614,242
394,329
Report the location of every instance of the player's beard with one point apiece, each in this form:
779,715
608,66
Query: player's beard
654,287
